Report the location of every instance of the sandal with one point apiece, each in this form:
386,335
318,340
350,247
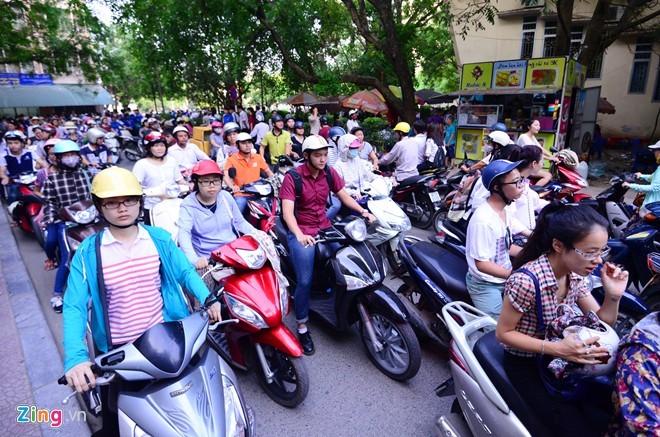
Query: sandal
50,264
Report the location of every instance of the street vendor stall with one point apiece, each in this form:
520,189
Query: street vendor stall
547,89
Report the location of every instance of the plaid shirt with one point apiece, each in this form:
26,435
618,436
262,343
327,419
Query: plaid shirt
522,295
64,188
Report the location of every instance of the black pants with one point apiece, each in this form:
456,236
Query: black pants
109,412
562,418
146,216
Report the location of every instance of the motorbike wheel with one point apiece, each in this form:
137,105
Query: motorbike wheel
427,215
401,355
38,232
439,217
132,152
116,157
290,383
393,258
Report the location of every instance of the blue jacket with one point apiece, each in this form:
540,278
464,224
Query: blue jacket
652,190
175,271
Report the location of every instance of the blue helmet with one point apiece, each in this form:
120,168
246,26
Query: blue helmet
498,127
65,146
335,132
495,169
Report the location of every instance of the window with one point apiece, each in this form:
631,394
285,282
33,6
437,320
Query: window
528,33
641,65
576,41
549,38
596,67
656,90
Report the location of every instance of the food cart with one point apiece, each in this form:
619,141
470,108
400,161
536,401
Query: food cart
548,89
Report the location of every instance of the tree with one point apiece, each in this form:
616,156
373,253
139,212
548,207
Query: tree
43,31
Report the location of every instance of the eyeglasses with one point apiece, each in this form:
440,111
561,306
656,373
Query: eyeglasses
209,182
114,204
591,256
518,183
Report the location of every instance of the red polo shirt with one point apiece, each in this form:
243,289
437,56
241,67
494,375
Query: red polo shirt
315,192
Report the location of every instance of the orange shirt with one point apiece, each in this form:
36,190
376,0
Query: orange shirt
246,172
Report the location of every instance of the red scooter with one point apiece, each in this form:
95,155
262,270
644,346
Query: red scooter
27,211
250,292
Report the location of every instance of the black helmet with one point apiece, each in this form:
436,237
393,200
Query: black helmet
288,117
275,118
299,125
324,120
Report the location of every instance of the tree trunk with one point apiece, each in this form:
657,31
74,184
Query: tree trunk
564,24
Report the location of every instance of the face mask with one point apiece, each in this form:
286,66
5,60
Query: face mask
353,153
71,161
217,131
488,149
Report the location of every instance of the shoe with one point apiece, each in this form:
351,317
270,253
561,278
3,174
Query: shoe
57,303
306,343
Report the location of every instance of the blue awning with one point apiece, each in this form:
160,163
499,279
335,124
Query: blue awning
53,95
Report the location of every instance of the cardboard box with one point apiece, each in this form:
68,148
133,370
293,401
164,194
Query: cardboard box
201,133
204,145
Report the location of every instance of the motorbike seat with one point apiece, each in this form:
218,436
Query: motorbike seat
538,188
445,268
281,231
412,180
457,228
325,251
490,354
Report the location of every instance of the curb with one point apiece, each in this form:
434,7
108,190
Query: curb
43,362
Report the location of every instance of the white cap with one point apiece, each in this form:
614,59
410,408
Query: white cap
655,146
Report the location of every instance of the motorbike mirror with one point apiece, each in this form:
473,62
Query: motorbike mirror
232,172
554,149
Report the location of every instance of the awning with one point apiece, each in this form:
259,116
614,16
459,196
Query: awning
53,95
605,107
504,92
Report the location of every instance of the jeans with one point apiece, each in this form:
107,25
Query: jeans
486,296
58,231
332,211
302,259
12,192
241,201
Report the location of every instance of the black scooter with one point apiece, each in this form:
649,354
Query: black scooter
347,287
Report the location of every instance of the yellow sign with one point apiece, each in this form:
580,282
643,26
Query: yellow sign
477,76
545,73
470,142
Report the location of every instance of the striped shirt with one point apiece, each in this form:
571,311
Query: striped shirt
132,280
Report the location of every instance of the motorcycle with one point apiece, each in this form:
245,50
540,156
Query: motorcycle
251,292
262,205
347,288
610,204
27,210
165,214
566,183
132,147
82,220
112,144
165,383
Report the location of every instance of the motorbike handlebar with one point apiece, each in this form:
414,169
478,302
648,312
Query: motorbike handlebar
96,370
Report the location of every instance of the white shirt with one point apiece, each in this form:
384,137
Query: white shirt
350,124
188,156
314,125
420,141
259,131
151,175
405,154
526,207
487,241
524,140
243,120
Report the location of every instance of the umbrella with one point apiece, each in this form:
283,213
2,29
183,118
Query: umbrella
305,99
365,101
605,107
397,93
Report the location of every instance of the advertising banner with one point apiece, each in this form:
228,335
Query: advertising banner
477,76
25,79
509,74
545,73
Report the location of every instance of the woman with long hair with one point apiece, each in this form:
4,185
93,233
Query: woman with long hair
528,138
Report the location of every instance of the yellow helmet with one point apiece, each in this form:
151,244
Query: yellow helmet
115,182
402,126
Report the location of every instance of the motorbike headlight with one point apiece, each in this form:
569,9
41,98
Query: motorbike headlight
85,217
353,283
255,259
402,225
357,230
238,421
244,312
284,300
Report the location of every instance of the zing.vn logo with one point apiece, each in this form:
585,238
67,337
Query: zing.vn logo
55,417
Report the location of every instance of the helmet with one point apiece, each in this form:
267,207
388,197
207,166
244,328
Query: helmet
115,182
275,118
314,142
243,136
609,339
259,116
180,129
46,127
352,111
51,142
66,146
655,146
323,119
288,117
15,135
89,121
495,169
231,127
500,138
335,132
402,127
501,127
348,141
152,121
154,137
216,124
356,129
205,167
569,157
94,134
299,125
70,125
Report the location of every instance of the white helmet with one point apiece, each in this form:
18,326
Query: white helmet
94,134
180,129
655,146
231,127
314,142
570,158
501,138
243,136
609,339
344,141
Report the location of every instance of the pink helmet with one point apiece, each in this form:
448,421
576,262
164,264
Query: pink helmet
216,124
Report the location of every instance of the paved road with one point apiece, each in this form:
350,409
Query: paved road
348,395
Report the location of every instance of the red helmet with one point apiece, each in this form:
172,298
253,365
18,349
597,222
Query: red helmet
206,167
46,127
154,137
216,124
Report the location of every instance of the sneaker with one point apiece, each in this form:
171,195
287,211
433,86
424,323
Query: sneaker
306,343
56,302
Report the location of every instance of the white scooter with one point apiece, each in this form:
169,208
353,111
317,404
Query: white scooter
112,143
177,386
165,214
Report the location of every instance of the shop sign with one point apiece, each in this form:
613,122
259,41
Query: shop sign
477,76
509,74
8,79
545,73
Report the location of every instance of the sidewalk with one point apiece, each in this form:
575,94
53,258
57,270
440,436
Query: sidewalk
29,363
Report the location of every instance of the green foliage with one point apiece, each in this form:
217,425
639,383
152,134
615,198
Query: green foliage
377,132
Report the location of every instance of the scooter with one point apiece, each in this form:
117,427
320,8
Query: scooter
112,144
420,197
132,147
611,205
165,214
262,205
82,220
169,384
347,288
252,293
27,210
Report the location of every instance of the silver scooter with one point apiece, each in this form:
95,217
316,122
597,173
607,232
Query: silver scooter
177,386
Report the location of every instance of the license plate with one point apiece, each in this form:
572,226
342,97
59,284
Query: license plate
435,196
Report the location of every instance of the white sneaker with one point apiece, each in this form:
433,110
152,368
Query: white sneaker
56,302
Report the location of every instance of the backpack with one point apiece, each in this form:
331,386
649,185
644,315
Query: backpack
460,204
297,183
